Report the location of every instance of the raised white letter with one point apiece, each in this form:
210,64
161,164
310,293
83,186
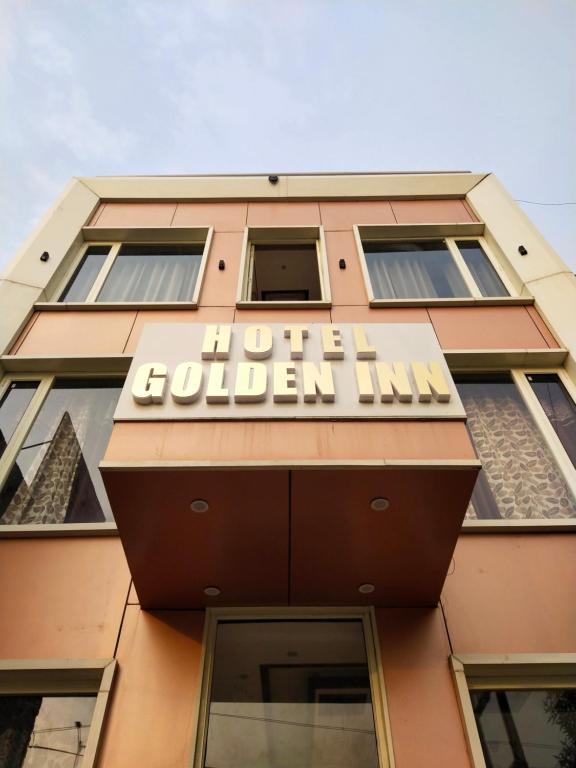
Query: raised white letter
332,343
258,342
186,382
251,383
216,392
216,344
393,382
149,383
296,334
430,379
318,382
285,383
363,350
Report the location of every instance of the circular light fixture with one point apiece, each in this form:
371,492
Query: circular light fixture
199,506
379,504
211,591
366,589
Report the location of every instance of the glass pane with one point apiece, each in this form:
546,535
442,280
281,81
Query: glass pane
291,693
37,731
79,287
55,478
527,729
519,477
483,272
15,401
559,407
419,270
153,273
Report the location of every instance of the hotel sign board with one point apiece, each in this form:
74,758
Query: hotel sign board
190,371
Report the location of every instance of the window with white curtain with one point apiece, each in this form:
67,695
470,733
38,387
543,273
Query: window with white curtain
431,269
520,476
134,272
50,474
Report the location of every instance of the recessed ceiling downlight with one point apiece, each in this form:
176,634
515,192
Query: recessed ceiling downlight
199,506
211,591
379,504
366,589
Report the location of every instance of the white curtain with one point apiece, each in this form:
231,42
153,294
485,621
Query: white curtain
150,277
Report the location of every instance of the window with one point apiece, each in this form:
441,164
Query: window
284,267
519,712
559,408
54,433
419,269
138,273
520,476
291,692
48,714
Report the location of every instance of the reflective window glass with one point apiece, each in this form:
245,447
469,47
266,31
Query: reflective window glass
527,728
83,279
484,274
12,407
153,273
413,270
41,731
55,478
520,478
290,693
558,407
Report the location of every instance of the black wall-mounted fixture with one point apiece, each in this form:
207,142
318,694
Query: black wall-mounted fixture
273,179
221,265
342,264
522,251
45,256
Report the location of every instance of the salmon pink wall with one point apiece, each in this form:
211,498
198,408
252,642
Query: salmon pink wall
61,598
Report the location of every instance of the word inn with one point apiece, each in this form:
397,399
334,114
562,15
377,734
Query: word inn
225,373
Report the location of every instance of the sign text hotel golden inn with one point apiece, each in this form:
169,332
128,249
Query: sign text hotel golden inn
188,371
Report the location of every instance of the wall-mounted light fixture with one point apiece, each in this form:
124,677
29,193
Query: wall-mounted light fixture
522,251
45,256
342,264
221,265
273,179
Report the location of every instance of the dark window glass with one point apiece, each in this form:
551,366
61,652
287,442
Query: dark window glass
519,477
527,728
483,272
290,693
285,273
414,270
559,407
55,478
15,401
41,731
153,273
83,279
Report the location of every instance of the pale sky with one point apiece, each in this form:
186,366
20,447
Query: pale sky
111,87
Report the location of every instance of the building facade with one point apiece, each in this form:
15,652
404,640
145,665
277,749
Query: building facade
288,477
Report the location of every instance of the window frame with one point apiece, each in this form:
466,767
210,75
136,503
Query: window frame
505,671
13,446
64,676
116,239
293,235
552,441
366,615
448,234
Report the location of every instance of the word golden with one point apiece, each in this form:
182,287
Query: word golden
216,380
